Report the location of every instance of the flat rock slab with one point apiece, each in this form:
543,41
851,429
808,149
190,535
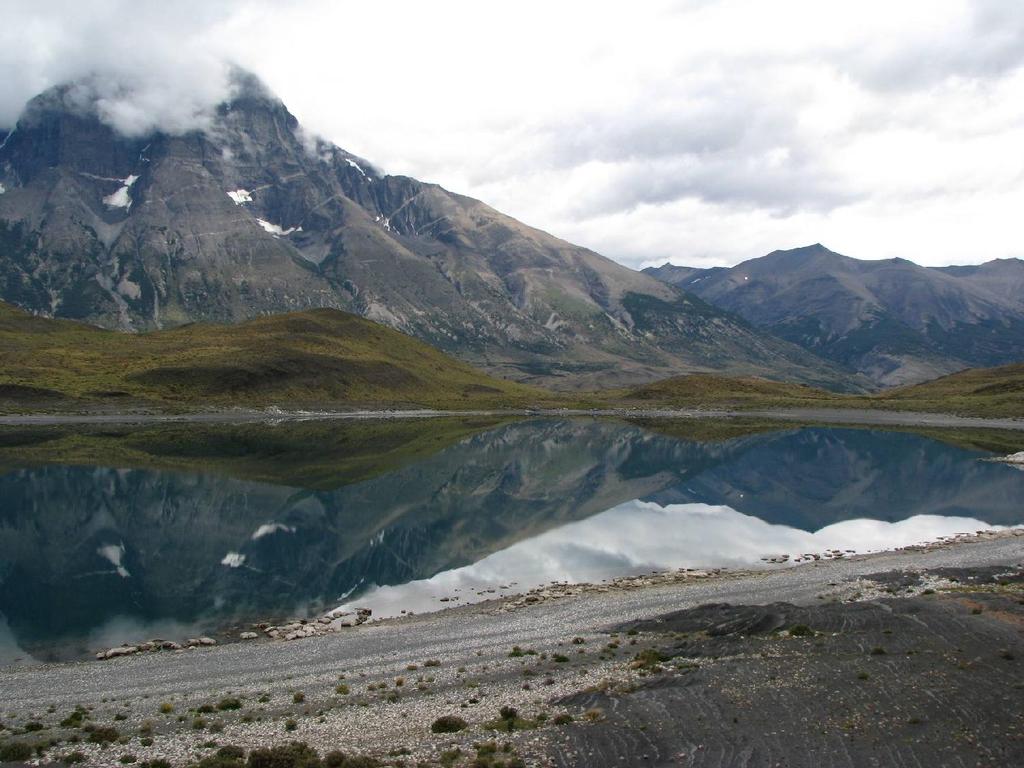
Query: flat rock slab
931,680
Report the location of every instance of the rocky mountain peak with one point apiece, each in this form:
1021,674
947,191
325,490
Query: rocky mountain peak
248,215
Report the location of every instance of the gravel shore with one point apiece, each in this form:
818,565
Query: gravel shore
242,416
377,688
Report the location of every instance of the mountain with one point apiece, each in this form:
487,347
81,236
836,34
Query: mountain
253,216
894,321
319,357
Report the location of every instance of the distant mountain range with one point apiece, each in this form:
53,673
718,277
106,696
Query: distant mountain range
253,216
894,321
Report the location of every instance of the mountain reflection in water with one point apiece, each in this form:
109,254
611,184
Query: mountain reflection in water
128,533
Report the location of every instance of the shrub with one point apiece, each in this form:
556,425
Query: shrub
74,720
103,735
298,754
205,709
229,703
298,697
228,756
559,658
648,659
801,630
337,759
342,689
33,725
448,724
156,762
127,759
15,752
166,708
73,757
563,719
198,723
431,663
290,724
509,720
878,651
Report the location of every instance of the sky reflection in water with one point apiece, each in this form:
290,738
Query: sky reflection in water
638,537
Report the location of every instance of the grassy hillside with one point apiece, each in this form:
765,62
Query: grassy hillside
709,390
991,392
320,357
328,358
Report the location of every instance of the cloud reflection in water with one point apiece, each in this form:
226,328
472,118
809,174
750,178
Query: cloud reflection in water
639,536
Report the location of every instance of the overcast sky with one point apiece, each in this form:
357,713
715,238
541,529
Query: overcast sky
695,132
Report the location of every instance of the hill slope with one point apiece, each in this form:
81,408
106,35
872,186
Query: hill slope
988,392
253,216
893,320
317,357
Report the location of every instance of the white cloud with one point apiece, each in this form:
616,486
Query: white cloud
702,132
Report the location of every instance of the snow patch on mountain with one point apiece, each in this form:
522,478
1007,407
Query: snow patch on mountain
233,559
268,528
114,554
122,197
240,196
276,230
356,165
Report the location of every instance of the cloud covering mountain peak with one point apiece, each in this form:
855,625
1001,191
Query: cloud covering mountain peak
140,67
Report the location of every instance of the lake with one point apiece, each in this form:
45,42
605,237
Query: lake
113,534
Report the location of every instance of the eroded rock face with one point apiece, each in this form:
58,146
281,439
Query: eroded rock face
252,216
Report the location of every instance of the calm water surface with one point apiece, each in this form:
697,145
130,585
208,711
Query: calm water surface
122,534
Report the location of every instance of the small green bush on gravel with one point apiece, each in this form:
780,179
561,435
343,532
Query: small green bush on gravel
15,752
298,754
448,724
75,719
103,735
228,756
341,760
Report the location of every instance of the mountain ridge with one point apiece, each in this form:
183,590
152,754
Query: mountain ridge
893,320
254,216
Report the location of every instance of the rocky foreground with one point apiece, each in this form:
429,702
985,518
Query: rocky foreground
904,658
